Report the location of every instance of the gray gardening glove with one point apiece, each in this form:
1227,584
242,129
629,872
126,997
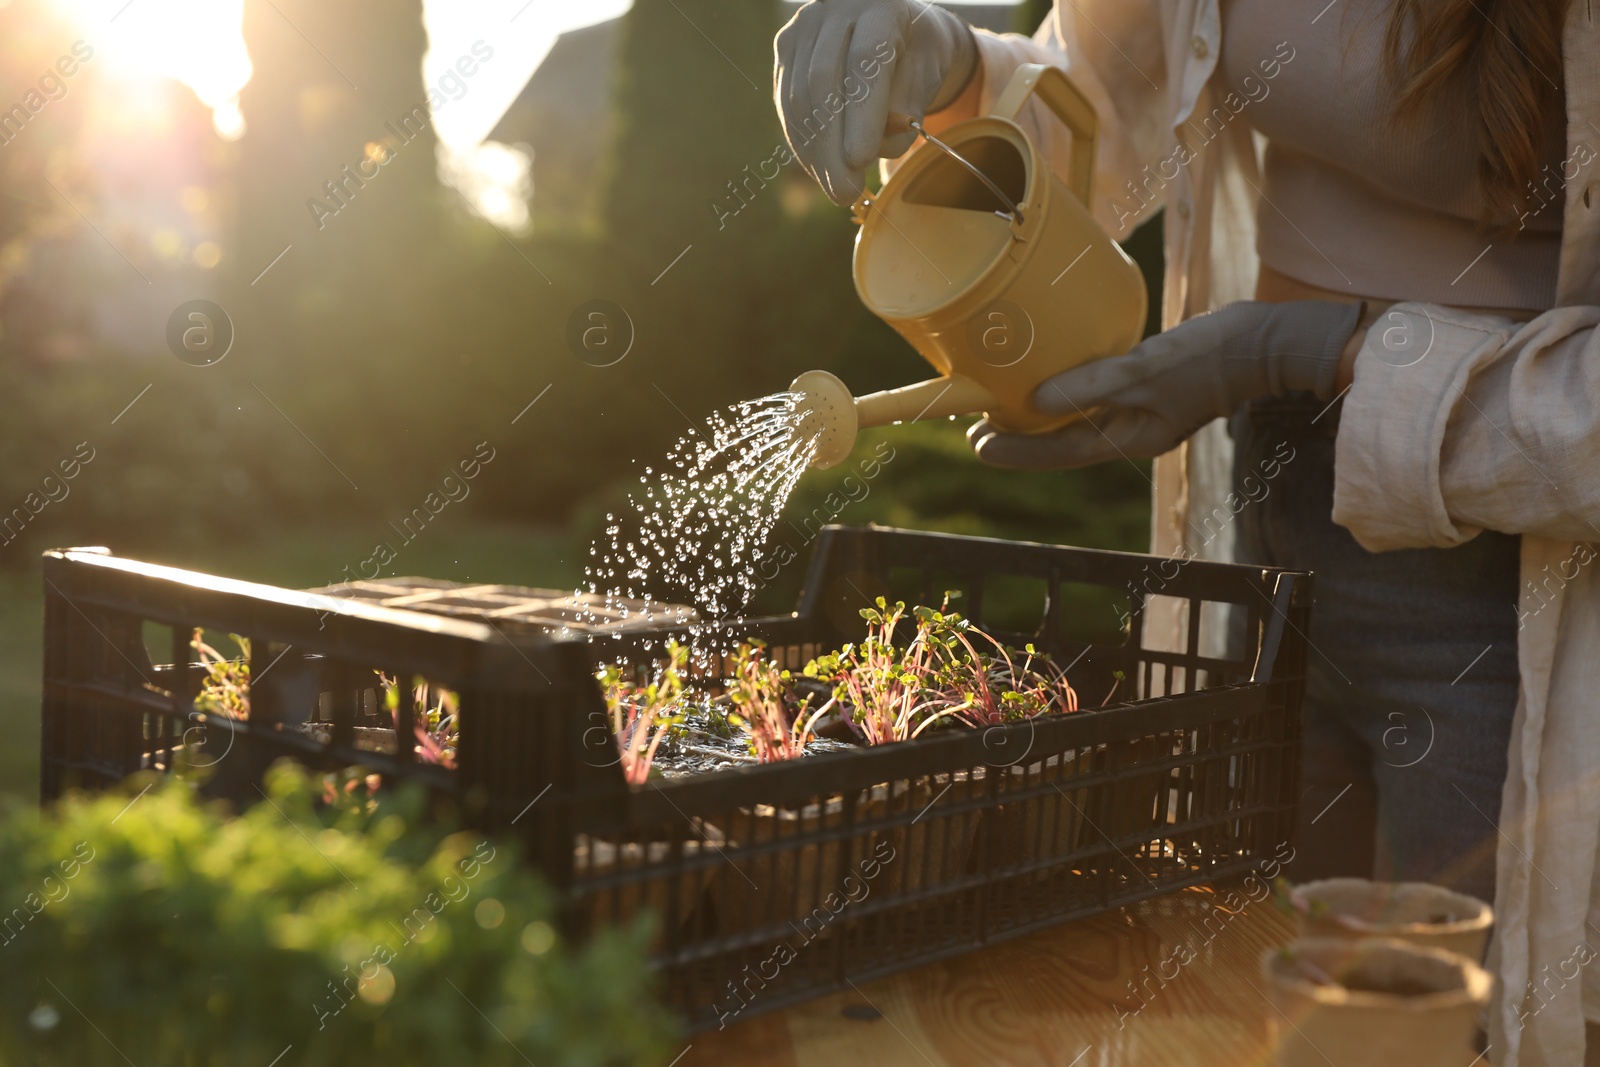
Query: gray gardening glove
843,65
1152,399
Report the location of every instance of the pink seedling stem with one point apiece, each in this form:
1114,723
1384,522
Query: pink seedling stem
1000,686
642,717
889,688
757,689
438,717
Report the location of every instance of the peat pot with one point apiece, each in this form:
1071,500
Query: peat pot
1373,1003
1426,915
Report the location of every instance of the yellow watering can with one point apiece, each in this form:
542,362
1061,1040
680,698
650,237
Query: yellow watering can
991,267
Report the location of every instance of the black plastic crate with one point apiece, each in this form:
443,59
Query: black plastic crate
779,882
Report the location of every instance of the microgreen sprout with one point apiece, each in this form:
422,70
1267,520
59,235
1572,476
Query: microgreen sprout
642,717
946,669
226,689
758,690
437,725
988,683
912,671
889,689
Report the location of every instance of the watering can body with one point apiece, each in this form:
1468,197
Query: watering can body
992,267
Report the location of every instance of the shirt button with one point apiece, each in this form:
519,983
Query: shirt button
1198,46
1183,209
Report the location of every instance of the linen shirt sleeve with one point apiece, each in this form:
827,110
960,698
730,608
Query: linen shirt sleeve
1113,52
1492,426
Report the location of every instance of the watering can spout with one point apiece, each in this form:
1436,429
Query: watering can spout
829,412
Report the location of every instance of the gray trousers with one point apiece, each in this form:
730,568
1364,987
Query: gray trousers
1412,671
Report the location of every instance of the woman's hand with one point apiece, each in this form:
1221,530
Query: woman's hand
1146,403
842,67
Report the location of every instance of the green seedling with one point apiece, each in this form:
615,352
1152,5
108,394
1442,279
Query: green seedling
226,689
642,717
759,690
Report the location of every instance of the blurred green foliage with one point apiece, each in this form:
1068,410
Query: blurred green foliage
155,929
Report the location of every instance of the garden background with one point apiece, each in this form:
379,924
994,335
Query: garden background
400,331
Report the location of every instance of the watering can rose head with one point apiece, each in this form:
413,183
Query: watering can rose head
992,267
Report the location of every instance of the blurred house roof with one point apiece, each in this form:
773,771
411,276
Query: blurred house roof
563,113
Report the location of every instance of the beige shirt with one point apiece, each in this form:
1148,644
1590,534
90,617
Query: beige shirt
1494,426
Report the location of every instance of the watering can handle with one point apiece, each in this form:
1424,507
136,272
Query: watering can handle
1068,104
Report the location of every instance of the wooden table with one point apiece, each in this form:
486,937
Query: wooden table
1172,982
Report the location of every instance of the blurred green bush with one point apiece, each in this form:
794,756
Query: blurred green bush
151,928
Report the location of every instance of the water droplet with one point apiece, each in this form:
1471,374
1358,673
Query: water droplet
715,501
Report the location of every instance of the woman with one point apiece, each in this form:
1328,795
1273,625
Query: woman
1421,236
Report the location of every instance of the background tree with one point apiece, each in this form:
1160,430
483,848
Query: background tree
41,117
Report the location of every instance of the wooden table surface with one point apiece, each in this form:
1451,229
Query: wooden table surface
1075,995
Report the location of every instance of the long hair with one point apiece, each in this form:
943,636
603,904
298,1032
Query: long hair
1509,53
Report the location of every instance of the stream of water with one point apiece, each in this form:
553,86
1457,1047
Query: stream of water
699,525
